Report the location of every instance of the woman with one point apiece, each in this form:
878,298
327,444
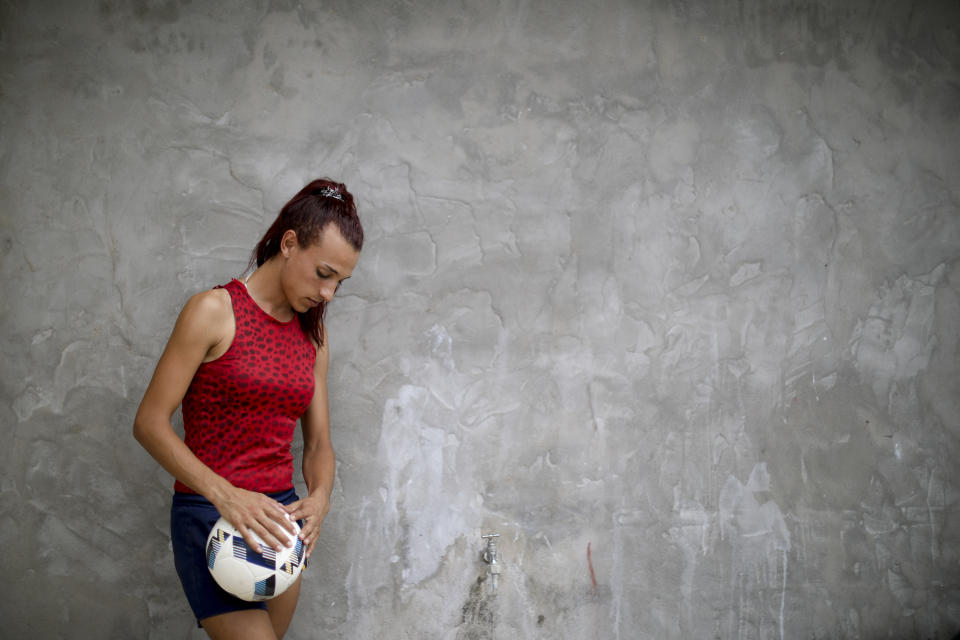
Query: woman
246,360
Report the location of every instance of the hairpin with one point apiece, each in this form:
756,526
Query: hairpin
329,192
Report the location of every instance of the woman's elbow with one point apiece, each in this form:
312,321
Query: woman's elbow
143,428
138,429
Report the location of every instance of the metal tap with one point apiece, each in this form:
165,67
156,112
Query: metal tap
490,557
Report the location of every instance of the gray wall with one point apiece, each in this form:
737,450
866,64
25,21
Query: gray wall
665,293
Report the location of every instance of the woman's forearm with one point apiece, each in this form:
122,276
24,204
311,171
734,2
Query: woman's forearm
319,468
157,436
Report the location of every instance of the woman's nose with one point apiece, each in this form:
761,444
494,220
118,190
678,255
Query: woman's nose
327,292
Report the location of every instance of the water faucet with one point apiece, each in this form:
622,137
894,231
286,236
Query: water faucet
490,557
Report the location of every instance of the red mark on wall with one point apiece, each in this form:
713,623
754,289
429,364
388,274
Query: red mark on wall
593,576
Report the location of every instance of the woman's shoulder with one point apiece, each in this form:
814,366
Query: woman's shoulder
212,302
208,309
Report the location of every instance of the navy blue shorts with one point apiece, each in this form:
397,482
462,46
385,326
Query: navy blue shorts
191,519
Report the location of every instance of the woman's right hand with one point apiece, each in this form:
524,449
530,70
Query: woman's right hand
255,513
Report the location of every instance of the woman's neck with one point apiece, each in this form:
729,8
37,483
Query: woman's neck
263,285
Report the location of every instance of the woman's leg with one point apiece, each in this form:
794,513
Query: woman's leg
282,607
256,624
250,624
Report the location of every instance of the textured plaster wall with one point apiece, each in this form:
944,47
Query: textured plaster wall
665,293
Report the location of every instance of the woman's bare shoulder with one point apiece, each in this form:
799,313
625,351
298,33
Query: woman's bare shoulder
207,316
210,305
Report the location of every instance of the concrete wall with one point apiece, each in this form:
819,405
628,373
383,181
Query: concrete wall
665,293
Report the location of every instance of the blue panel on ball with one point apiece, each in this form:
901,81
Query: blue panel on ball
216,543
266,587
298,553
295,559
267,559
212,550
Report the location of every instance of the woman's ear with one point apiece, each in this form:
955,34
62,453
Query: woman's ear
288,242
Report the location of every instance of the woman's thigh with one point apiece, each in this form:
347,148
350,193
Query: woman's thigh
250,624
282,607
256,624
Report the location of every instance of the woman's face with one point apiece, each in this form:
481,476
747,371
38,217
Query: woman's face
312,274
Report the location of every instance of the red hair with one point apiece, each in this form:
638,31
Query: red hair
318,204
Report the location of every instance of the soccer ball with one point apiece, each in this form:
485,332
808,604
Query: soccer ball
249,575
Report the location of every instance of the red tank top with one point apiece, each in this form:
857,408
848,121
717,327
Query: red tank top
240,411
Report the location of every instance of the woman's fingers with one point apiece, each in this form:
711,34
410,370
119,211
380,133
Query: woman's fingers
312,511
275,533
256,514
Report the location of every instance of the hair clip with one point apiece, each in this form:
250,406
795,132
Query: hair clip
329,192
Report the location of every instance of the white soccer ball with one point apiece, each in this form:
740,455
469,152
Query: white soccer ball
249,575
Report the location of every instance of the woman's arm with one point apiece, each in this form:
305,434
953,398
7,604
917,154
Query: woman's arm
318,459
203,332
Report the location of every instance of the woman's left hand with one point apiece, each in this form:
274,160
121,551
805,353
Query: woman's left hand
312,510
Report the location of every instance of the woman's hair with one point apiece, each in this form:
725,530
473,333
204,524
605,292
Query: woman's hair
318,204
